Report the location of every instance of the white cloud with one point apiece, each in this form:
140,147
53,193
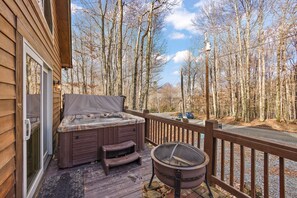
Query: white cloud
75,8
177,35
181,56
176,72
181,19
164,57
200,4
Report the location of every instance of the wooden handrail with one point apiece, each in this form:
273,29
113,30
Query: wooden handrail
189,126
265,146
159,130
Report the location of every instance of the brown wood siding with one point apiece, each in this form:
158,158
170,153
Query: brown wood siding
21,19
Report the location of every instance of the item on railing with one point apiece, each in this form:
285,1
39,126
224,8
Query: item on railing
179,165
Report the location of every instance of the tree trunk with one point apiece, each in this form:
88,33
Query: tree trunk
141,91
214,79
261,65
120,56
103,51
237,95
189,94
182,90
109,52
247,61
278,78
148,54
136,56
241,71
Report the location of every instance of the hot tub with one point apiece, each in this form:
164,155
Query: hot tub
81,136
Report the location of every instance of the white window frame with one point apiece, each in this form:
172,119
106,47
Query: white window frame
41,7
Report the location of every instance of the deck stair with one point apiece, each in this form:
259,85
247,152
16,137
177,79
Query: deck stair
119,154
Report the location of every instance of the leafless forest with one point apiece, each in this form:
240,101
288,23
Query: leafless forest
118,49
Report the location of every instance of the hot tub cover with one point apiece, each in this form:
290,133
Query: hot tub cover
78,104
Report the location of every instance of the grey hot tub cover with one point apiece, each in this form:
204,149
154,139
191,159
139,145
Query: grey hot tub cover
78,104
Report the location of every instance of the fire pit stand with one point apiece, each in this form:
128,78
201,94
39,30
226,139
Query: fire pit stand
188,171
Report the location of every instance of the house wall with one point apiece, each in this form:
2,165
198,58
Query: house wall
21,19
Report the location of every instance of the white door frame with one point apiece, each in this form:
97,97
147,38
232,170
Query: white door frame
27,49
49,106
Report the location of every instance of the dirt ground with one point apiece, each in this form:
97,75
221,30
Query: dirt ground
267,124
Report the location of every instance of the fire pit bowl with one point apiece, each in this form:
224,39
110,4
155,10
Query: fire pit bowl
179,165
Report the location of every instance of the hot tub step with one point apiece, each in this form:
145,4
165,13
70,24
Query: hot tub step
107,163
118,147
119,154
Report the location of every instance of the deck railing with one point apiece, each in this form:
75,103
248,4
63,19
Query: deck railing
224,149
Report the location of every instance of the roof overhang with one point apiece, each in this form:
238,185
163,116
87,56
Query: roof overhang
63,9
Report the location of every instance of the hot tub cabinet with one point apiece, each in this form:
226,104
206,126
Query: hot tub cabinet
83,146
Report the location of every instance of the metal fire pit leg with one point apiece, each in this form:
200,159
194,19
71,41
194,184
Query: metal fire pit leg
206,182
153,174
177,184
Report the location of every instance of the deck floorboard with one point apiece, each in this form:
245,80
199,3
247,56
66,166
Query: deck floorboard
125,181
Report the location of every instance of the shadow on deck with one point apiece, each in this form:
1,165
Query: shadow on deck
89,180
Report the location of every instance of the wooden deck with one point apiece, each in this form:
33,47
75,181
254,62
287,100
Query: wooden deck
124,181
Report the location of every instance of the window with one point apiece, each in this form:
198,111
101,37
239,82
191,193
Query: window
45,6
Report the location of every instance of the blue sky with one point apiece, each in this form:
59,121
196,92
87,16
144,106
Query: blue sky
179,34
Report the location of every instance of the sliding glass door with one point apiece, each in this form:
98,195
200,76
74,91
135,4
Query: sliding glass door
36,97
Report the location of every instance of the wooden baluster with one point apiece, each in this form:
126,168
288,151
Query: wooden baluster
215,160
253,189
241,168
151,128
154,131
170,132
167,140
183,134
161,133
178,134
231,163
198,140
174,132
193,135
266,176
188,136
164,133
281,177
222,160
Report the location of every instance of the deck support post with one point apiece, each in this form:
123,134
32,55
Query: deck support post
210,144
147,123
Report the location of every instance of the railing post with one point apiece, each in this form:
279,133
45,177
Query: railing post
210,145
185,120
147,123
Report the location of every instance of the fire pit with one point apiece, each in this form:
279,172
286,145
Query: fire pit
179,165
